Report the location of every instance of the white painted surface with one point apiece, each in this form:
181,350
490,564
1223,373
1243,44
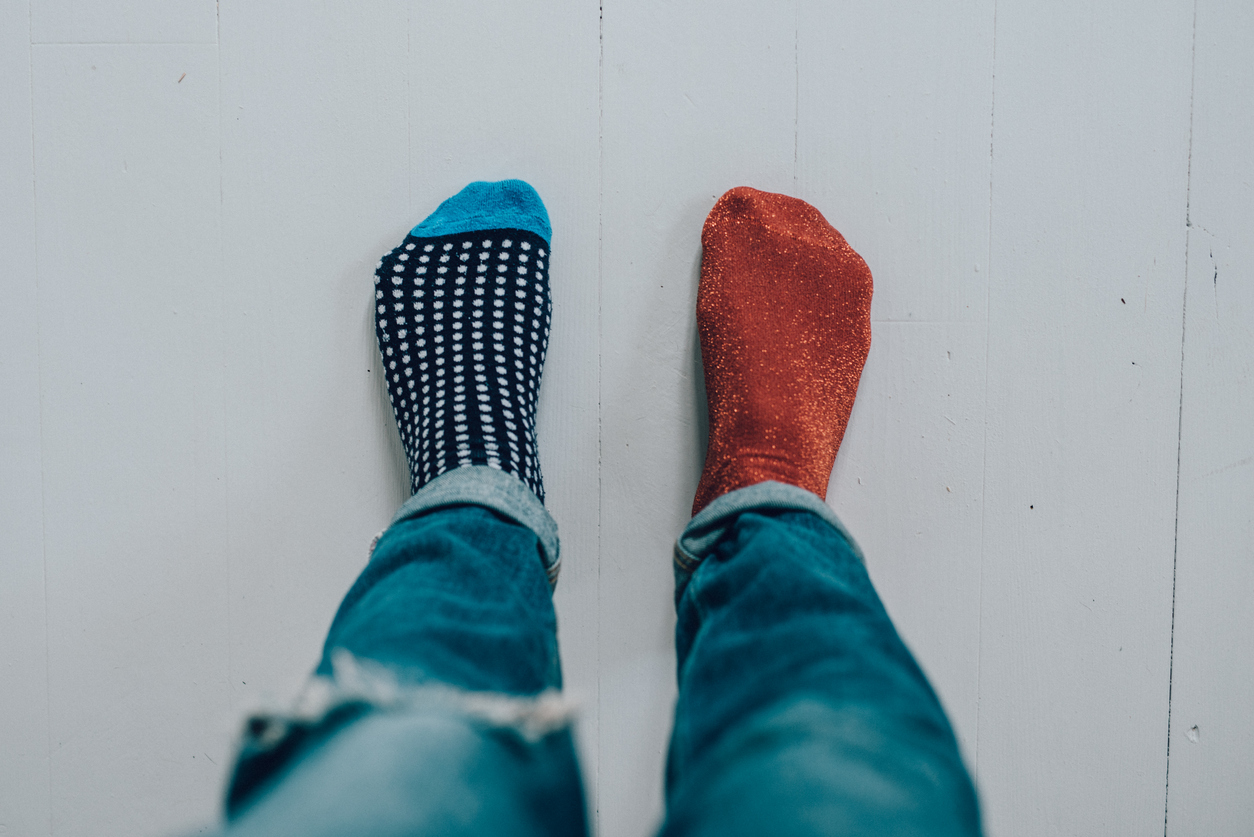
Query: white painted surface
1090,173
134,511
24,731
1212,739
197,449
1090,167
134,22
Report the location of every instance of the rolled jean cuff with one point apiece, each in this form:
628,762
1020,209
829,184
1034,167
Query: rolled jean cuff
712,522
503,493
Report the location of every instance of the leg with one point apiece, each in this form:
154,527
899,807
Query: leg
800,710
435,707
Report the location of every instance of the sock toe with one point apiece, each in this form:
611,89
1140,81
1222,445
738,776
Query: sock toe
503,205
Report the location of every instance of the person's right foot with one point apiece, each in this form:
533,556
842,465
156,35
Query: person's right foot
784,316
462,313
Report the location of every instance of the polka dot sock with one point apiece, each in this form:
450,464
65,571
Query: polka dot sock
462,315
783,310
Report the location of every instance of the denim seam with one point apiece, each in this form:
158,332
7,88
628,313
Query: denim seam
494,489
693,594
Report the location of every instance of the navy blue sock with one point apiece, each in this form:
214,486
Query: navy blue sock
463,317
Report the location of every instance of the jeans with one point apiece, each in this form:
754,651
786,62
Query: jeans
436,706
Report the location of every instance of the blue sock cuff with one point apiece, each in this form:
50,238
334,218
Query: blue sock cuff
503,205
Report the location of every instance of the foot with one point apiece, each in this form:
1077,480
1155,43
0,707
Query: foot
462,316
784,316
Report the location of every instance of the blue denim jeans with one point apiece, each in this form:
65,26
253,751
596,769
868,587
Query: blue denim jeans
436,708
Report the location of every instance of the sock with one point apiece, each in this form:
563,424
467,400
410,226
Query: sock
783,311
462,316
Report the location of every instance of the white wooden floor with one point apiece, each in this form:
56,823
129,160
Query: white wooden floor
1050,464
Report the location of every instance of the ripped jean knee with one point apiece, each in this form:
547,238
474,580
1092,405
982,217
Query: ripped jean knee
363,737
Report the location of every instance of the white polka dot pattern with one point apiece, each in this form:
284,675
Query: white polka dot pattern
463,325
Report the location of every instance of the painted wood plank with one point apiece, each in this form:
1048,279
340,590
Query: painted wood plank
1211,762
336,139
24,778
313,192
893,124
893,139
697,99
1090,154
139,21
513,92
126,161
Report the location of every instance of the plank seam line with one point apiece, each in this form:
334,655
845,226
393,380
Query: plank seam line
988,286
1184,315
217,20
409,117
39,373
596,814
796,89
228,612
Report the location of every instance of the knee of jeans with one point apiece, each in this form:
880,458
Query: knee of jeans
424,771
274,743
849,768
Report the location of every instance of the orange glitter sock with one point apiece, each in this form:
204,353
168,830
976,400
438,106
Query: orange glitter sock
784,316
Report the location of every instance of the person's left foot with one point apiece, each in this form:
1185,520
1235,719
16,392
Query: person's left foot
462,315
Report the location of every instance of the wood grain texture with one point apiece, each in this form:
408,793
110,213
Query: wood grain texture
1212,738
1090,157
24,772
126,162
